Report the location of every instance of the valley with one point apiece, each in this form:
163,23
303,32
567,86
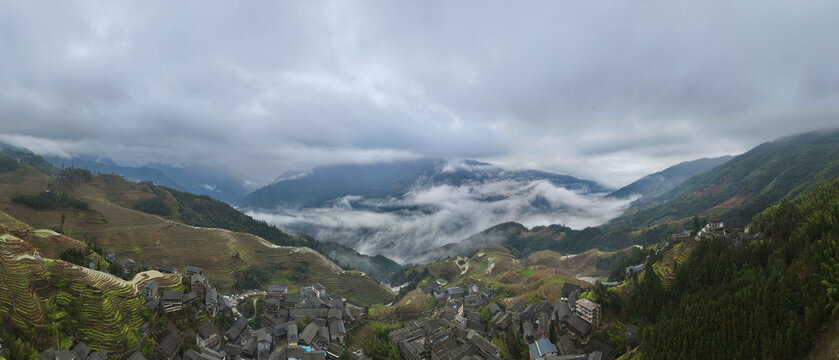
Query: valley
506,292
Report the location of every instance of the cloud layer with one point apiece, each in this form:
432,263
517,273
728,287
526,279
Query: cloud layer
426,218
605,91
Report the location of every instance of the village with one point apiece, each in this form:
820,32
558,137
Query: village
312,323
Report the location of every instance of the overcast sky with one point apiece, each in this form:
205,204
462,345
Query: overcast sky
604,90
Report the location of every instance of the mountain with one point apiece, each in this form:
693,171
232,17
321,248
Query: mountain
194,179
745,185
658,183
177,228
324,185
107,166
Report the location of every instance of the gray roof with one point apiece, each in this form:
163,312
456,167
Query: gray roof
136,356
172,295
337,327
580,325
98,355
197,278
291,333
309,333
81,350
207,329
170,343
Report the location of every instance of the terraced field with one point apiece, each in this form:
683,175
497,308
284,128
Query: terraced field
46,298
152,240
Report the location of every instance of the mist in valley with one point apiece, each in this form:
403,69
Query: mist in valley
428,217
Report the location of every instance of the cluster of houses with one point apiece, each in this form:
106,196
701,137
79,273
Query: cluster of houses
78,352
172,301
441,339
305,325
458,331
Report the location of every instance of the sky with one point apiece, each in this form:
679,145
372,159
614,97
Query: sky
608,91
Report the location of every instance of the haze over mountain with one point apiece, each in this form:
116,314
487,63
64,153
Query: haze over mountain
194,179
658,183
401,209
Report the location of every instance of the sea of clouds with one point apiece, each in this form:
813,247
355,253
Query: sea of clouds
429,217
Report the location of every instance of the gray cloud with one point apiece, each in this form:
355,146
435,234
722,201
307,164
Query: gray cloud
610,92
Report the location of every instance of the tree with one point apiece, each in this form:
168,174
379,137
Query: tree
696,226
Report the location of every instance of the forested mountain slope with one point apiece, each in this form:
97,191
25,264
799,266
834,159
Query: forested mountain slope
652,185
764,299
747,184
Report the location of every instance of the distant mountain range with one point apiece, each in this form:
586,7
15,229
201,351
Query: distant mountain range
194,179
663,181
737,188
324,185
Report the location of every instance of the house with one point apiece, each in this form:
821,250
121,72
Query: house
309,334
128,266
136,356
197,283
192,270
455,292
109,255
235,331
292,300
502,320
635,269
542,348
566,346
337,332
188,298
323,334
207,335
579,327
167,349
149,288
272,306
516,306
211,301
172,301
277,290
153,304
291,334
494,308
335,313
264,342
166,269
608,352
98,355
484,346
320,291
81,350
333,351
568,288
589,311
223,305
233,350
528,330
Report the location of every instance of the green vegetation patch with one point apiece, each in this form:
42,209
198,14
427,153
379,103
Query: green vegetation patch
52,200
